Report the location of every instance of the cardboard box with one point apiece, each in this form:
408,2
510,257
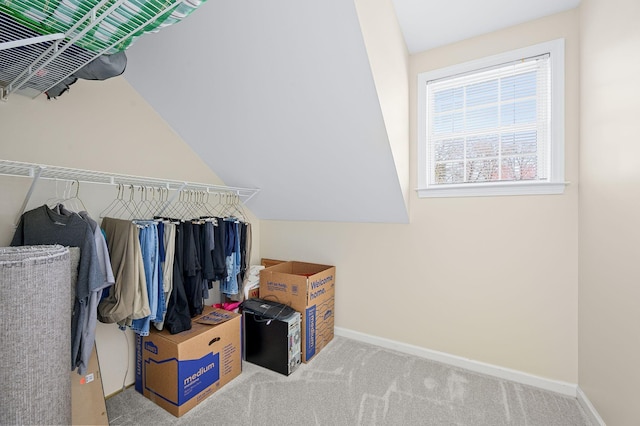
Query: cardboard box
254,293
308,288
267,263
178,371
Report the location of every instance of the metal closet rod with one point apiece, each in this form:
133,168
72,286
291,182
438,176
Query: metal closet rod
42,171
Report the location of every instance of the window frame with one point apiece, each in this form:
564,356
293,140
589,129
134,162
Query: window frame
555,183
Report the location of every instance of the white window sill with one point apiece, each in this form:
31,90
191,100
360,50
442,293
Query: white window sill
492,189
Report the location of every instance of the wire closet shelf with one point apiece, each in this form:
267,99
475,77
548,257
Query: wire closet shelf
41,171
62,39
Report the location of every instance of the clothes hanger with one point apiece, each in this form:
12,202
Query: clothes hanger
193,205
223,207
145,205
118,208
156,201
134,206
171,210
54,201
218,207
116,201
200,207
237,207
74,203
230,209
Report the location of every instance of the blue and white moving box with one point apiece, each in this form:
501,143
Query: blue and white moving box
308,288
178,371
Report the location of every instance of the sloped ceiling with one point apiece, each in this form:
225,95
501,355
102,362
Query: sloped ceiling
279,95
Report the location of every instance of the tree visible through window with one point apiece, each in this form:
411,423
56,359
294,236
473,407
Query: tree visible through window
488,125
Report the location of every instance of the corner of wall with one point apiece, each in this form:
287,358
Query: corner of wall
389,62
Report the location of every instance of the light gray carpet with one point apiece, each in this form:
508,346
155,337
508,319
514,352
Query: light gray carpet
354,383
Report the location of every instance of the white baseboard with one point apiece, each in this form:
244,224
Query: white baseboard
589,408
560,387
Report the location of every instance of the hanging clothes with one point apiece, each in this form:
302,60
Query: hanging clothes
127,299
180,261
178,317
200,286
192,270
207,246
149,250
167,238
244,278
89,321
229,285
162,257
218,255
44,226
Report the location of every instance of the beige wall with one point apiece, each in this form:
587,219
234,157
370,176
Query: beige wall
103,126
493,279
609,209
389,61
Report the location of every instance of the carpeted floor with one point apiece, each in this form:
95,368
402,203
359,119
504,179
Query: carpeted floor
354,383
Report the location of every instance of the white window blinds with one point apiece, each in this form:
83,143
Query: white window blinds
490,125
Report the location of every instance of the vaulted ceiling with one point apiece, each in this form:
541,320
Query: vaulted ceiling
296,97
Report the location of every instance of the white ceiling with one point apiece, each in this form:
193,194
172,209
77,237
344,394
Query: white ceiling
279,95
432,23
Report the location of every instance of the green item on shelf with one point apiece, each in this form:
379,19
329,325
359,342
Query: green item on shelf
116,27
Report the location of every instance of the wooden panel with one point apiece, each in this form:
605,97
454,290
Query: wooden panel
88,406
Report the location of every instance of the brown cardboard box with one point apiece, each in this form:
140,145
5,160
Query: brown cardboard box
178,371
309,288
254,293
267,263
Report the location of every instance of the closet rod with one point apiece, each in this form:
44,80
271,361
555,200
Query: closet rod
41,171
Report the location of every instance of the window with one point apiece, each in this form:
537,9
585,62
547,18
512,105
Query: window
494,126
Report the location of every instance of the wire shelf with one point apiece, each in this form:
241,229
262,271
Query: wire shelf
39,50
40,171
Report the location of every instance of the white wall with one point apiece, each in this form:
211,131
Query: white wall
103,126
290,82
491,279
610,208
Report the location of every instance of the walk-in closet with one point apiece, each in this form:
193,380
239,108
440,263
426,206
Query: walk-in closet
153,273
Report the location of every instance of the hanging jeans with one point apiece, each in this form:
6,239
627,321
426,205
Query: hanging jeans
229,285
150,257
159,318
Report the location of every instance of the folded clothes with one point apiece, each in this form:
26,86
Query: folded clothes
227,306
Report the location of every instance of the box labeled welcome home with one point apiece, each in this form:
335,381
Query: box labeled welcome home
178,371
308,288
